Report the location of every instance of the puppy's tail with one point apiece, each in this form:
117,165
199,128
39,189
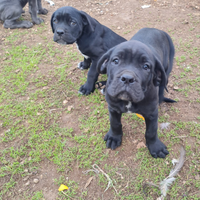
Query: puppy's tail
168,100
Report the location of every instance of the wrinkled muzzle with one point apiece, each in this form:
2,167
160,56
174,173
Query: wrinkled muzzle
61,36
126,86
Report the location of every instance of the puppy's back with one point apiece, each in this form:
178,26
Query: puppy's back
160,43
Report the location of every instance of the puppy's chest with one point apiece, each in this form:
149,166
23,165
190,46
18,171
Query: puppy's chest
85,56
130,108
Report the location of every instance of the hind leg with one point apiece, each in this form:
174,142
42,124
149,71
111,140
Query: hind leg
33,12
41,10
12,15
12,24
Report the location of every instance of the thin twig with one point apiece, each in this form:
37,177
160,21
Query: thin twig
64,94
97,169
50,111
66,195
183,136
120,175
62,65
125,186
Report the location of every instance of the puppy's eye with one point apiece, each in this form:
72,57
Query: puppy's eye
73,23
55,21
146,67
116,61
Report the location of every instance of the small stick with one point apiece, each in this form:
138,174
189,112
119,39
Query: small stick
96,169
66,195
64,94
120,175
182,136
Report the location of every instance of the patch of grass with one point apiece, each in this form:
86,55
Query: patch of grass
27,98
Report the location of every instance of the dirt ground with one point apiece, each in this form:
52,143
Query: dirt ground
181,20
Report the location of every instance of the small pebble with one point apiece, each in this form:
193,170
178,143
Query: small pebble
26,178
20,190
35,180
69,108
176,88
65,102
28,183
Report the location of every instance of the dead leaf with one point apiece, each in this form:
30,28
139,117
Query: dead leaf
88,182
141,145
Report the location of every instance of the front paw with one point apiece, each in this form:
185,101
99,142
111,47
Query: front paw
157,149
112,141
86,90
43,11
38,20
83,66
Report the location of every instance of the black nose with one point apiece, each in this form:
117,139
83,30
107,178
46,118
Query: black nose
60,31
125,78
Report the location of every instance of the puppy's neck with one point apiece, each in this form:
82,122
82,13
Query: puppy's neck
128,106
85,56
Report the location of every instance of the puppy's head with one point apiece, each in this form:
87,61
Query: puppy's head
68,24
131,68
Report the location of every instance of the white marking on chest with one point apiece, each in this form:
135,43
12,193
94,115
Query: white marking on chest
128,106
86,57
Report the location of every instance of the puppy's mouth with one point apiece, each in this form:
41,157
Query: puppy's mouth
125,96
61,42
133,92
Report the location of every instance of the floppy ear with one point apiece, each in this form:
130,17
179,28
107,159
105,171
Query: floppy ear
160,77
103,62
88,20
52,22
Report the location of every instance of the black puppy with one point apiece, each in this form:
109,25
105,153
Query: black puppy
138,72
11,10
70,25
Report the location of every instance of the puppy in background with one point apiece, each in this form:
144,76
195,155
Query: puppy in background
93,39
138,72
11,10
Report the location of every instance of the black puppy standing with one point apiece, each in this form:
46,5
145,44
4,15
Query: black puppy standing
11,10
70,25
138,72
